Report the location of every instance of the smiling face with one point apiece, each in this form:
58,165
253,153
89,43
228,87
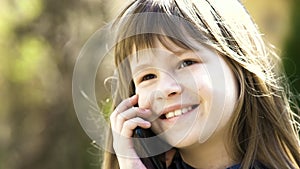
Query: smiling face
192,93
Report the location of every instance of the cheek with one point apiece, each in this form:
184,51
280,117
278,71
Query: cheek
203,85
143,99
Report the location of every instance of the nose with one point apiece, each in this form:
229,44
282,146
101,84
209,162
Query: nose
167,87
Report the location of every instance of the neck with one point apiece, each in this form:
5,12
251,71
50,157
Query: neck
212,154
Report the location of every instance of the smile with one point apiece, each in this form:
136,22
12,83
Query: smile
178,112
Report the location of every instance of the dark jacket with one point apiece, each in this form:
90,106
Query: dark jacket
178,163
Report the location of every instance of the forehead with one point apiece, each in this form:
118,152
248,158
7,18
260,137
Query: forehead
163,44
158,58
166,52
159,46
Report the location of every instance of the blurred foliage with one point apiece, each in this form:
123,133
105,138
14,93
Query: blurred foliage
292,50
272,17
40,40
280,21
39,43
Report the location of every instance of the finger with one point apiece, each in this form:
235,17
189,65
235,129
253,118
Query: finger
129,114
135,112
124,105
131,124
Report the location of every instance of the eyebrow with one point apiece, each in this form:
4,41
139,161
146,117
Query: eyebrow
139,67
180,52
177,53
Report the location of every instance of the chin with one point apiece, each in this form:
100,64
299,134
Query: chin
180,142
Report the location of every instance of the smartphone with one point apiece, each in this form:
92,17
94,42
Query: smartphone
145,149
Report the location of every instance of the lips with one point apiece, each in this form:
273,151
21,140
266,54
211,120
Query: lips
177,112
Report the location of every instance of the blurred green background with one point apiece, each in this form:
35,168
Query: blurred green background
39,43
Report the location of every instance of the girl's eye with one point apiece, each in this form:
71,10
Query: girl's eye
186,63
148,77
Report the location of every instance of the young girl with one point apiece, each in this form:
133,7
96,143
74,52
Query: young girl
198,74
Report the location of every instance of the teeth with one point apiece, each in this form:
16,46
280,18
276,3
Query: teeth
184,110
169,115
178,112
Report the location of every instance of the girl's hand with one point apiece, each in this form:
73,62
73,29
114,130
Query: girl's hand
124,119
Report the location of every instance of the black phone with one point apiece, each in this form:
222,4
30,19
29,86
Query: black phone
145,148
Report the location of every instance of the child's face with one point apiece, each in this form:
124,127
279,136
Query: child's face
192,94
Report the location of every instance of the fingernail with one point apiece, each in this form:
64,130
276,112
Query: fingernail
132,99
134,96
148,124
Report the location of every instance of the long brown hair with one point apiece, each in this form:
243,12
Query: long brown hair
264,127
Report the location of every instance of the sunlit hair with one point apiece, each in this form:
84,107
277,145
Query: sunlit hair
264,128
